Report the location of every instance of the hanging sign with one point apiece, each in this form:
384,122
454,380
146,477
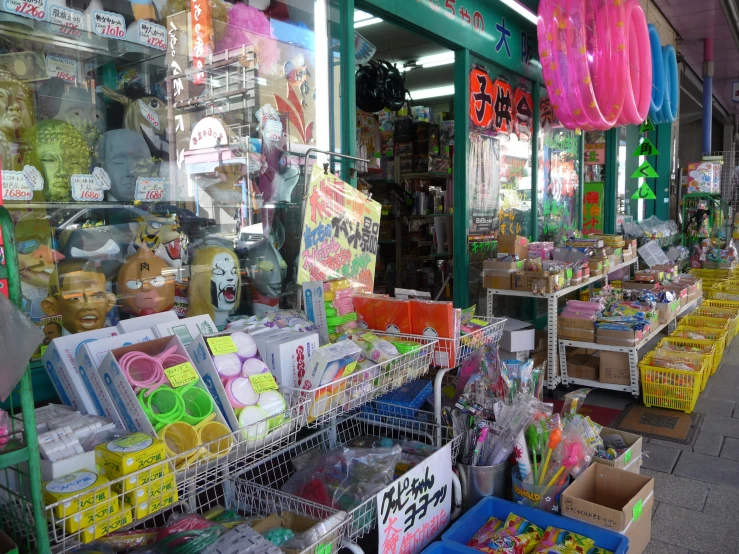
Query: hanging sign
592,208
202,32
646,148
646,126
340,232
481,98
595,153
644,193
503,106
149,189
523,112
33,9
645,171
151,34
416,507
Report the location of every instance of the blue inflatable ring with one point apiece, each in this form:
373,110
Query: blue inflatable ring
668,113
658,73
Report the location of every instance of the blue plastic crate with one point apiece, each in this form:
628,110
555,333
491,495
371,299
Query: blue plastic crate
466,526
406,400
446,548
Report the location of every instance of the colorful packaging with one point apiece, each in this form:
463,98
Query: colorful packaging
437,320
704,177
393,316
108,525
485,533
93,504
364,306
328,364
566,542
129,454
517,536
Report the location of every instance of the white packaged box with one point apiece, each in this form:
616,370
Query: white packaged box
59,359
262,338
315,309
287,357
146,321
517,336
187,329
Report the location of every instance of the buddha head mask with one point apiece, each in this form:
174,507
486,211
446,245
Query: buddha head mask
16,107
121,152
145,284
58,151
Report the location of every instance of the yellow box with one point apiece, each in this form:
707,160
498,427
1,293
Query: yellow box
134,482
162,493
89,517
113,523
129,454
90,487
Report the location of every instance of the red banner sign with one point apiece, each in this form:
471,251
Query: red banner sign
202,34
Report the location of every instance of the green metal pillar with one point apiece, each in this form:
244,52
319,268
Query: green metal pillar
348,89
632,164
662,183
649,205
611,182
534,214
462,68
580,178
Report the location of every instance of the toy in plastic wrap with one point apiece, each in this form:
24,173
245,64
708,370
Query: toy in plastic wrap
121,152
144,284
215,285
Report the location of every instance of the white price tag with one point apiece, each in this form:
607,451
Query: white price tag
85,189
33,177
101,178
66,21
151,34
149,189
150,115
15,186
64,68
108,24
33,9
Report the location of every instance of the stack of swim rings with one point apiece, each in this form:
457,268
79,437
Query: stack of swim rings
595,59
665,89
183,417
258,414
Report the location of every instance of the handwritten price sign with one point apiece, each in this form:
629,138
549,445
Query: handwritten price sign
15,186
108,24
85,189
149,189
33,9
66,21
101,178
33,177
64,68
151,34
181,375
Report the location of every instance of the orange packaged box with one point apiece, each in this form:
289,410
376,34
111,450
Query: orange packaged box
437,320
393,316
364,306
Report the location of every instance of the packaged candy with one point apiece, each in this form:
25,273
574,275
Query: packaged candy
596,550
518,536
485,533
560,541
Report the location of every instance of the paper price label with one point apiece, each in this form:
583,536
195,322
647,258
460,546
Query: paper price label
85,189
222,345
149,189
150,115
64,68
262,382
108,24
151,34
627,456
33,177
33,9
66,21
101,178
638,508
15,186
181,375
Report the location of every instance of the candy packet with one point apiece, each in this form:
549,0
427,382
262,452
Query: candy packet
485,533
597,550
517,536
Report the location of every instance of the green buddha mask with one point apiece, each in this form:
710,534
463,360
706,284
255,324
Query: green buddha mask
58,151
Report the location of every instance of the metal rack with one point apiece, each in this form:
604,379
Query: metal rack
552,312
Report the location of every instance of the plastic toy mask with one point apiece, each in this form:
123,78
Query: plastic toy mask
16,112
215,284
36,258
81,299
144,285
81,109
161,236
58,151
120,151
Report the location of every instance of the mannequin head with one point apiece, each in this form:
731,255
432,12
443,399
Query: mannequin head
215,285
16,107
119,152
81,297
83,110
144,284
58,151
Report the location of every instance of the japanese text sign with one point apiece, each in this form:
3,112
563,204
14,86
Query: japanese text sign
202,32
595,153
481,98
340,232
592,208
415,508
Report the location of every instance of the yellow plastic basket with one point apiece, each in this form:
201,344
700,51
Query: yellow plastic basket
675,389
706,347
709,323
723,313
711,273
716,336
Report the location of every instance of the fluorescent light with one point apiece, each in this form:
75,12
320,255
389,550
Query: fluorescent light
433,92
322,73
359,15
433,58
440,62
518,8
366,22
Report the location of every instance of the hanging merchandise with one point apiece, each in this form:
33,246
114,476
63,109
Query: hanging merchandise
606,65
379,85
668,113
658,74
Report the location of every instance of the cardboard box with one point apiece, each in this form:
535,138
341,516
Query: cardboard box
496,265
517,336
680,290
629,460
615,337
60,363
574,328
613,499
667,310
287,356
186,329
492,279
583,367
505,355
520,281
614,368
544,282
514,244
146,321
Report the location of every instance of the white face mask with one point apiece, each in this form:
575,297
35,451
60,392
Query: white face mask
224,282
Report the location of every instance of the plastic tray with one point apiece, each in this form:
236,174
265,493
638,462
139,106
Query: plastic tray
466,526
446,548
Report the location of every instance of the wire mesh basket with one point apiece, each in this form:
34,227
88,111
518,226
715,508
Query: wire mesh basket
260,486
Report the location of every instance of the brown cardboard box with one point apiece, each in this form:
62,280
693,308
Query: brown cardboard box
519,281
586,368
669,269
493,279
614,368
514,244
638,286
575,329
667,310
680,290
614,499
614,337
543,282
629,460
496,265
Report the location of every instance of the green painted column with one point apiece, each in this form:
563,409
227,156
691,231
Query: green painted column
632,164
649,205
662,166
462,67
611,182
348,90
534,214
580,178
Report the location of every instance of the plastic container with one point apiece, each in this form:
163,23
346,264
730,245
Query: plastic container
675,389
466,526
716,336
405,401
540,497
446,548
708,323
706,347
731,315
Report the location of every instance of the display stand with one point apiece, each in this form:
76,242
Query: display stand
633,353
552,312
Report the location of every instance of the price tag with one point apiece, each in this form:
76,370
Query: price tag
64,68
638,507
151,34
108,24
369,337
262,382
149,189
33,177
66,21
627,456
150,115
181,375
15,186
479,322
222,345
85,189
101,178
33,9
